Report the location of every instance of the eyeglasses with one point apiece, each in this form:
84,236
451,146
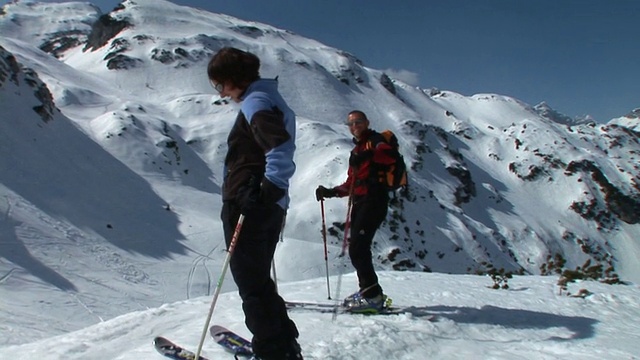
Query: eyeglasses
355,122
219,86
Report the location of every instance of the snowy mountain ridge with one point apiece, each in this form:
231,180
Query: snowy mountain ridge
127,173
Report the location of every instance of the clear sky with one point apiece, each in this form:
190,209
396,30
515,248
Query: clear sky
580,56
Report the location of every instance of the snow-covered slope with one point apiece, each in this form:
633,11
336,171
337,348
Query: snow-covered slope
119,175
472,321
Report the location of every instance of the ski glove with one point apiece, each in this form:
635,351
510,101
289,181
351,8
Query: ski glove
270,193
322,192
249,195
254,194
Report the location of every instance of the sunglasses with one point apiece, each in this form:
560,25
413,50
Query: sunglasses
218,87
355,122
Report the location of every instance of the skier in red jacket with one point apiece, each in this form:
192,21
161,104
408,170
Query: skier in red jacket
369,200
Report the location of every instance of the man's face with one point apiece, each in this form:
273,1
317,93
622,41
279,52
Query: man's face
357,125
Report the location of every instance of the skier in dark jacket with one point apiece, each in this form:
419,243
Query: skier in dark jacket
258,166
369,198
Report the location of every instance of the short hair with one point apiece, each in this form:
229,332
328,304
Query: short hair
229,64
359,113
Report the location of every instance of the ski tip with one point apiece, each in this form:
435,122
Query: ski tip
160,341
217,329
218,332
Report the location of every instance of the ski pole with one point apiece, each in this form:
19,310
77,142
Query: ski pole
273,273
324,240
343,259
273,261
347,227
225,266
345,242
347,222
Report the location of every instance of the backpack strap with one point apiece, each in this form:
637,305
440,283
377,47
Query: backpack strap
374,139
377,172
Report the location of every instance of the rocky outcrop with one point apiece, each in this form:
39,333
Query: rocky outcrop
625,207
103,30
10,70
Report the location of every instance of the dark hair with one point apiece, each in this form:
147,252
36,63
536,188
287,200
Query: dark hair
229,64
359,113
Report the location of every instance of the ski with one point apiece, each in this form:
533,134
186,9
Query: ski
331,308
232,342
173,351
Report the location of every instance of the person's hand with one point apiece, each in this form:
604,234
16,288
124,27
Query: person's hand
254,194
249,195
322,193
270,193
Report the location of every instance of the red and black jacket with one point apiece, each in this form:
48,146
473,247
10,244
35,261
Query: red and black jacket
367,160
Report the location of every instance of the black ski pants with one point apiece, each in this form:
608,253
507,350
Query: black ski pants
265,311
367,213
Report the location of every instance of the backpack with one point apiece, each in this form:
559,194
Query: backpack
393,176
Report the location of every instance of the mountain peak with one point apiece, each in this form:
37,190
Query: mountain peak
543,109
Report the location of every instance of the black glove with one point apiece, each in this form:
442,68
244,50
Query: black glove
355,159
249,195
254,194
270,193
322,192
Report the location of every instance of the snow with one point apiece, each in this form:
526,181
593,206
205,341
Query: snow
527,321
109,211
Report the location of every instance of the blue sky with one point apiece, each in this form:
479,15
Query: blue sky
580,56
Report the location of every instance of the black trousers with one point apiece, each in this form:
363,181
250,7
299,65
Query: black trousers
265,312
367,213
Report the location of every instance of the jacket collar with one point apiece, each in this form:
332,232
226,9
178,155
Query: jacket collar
266,85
